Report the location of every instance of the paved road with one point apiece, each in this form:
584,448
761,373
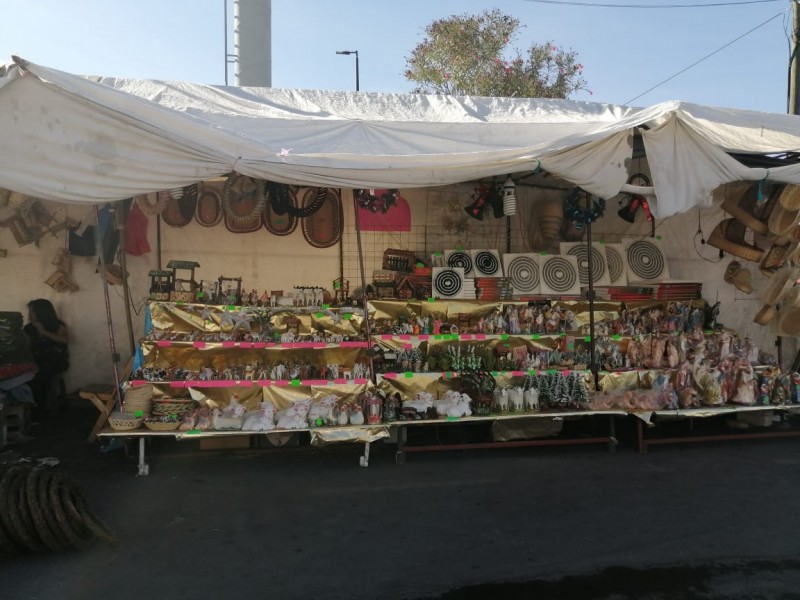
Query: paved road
718,521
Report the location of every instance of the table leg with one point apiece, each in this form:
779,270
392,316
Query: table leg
400,456
364,460
640,437
144,468
613,443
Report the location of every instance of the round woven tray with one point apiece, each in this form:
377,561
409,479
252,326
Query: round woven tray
158,426
123,421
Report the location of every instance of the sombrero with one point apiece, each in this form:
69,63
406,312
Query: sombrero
792,299
181,206
728,235
739,277
153,203
790,197
209,206
242,203
740,202
777,256
323,228
765,315
279,224
782,222
789,322
779,285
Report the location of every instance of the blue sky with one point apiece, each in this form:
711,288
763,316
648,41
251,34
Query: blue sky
624,51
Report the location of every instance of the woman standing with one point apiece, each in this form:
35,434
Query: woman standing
49,341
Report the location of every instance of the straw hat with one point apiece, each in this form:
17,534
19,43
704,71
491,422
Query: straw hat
792,298
740,203
728,235
209,207
789,323
739,277
765,315
181,206
777,256
790,197
783,221
779,285
243,202
153,203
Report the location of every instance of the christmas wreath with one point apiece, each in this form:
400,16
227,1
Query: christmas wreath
377,201
582,216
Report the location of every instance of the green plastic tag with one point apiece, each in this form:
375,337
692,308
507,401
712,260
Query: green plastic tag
325,307
295,382
588,338
437,254
231,307
138,413
179,303
347,316
459,249
431,299
173,416
320,315
563,334
201,294
192,432
571,346
658,237
437,336
536,336
543,253
617,336
494,373
503,336
409,374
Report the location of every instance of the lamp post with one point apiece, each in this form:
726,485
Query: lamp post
348,53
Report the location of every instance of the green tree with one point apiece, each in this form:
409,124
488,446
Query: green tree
470,55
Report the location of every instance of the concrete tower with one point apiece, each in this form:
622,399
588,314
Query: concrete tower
252,40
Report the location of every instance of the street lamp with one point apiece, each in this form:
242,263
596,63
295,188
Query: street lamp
348,53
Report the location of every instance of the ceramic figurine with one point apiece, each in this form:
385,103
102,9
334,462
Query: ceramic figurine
356,415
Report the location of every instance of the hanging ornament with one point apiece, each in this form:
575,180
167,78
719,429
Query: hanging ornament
509,197
377,200
581,216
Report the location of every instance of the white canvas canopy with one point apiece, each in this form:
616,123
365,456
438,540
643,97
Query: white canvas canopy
79,139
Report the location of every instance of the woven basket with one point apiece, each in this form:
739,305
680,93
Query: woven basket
124,421
170,406
159,426
139,393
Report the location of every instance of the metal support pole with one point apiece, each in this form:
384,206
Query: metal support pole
111,343
590,297
123,263
144,468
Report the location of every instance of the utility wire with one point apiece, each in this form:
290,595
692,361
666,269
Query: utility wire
707,56
610,5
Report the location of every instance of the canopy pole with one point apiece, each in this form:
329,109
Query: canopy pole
111,343
123,263
158,241
590,294
364,300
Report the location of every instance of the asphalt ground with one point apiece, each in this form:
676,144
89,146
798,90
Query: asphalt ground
701,521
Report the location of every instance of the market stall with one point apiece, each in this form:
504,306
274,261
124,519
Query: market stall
510,277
